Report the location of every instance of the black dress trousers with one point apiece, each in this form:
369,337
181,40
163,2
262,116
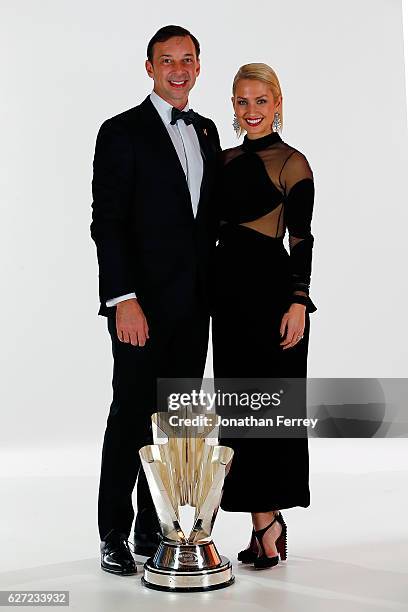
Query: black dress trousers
174,350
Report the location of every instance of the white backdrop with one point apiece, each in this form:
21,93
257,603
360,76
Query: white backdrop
67,66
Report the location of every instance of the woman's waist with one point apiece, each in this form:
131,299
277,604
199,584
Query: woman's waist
231,234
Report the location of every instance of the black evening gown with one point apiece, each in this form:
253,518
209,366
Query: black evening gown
256,279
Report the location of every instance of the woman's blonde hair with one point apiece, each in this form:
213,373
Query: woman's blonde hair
260,72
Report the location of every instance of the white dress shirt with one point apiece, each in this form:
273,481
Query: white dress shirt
185,141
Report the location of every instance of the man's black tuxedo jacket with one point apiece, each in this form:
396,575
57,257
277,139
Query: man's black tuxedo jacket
146,236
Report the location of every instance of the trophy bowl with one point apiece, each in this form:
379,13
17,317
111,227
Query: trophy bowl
186,469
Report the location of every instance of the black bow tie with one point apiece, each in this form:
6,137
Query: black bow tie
188,116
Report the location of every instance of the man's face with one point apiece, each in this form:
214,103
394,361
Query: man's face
174,69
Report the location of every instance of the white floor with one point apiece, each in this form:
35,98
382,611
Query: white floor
347,552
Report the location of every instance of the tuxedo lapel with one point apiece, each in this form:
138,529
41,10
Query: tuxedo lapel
171,167
203,139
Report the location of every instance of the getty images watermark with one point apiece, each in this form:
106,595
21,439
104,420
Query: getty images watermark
209,401
284,407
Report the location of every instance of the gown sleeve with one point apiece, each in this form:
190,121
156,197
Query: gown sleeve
297,180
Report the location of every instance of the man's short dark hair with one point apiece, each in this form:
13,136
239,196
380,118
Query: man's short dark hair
167,32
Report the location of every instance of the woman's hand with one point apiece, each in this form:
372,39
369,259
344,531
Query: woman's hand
293,322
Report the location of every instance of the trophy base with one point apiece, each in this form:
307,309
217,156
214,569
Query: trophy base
187,567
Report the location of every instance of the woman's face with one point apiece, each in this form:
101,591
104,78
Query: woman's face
255,107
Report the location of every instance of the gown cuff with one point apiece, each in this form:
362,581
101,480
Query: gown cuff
305,300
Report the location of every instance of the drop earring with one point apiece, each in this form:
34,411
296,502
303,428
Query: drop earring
235,125
276,125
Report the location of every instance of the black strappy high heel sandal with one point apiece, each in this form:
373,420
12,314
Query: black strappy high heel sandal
248,555
281,544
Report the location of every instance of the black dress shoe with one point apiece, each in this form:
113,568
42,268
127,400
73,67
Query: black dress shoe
116,556
146,544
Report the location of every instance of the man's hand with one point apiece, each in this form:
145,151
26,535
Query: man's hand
131,324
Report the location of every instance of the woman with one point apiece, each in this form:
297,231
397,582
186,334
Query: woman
262,304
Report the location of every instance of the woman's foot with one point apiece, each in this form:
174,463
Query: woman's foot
261,520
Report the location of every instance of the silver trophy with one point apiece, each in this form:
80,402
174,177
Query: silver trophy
182,467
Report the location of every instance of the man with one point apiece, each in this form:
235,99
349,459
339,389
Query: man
154,228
